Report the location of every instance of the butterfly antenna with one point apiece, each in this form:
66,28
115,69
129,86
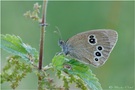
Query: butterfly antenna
58,32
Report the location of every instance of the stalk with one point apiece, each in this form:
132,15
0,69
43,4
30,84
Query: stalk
42,37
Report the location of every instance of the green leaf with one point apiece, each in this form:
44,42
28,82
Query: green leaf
13,44
74,67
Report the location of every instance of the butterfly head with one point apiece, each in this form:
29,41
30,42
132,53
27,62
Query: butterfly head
64,47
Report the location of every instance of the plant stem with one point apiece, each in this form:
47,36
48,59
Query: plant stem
41,48
43,25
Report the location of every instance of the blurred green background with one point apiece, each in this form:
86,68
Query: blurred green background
73,17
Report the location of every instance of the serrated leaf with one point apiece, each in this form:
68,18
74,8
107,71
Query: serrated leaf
77,68
13,44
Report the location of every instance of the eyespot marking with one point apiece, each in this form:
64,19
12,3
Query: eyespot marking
91,36
99,48
98,54
92,39
96,59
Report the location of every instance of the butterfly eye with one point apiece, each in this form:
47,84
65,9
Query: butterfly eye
60,42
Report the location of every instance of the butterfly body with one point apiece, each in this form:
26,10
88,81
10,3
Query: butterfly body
90,47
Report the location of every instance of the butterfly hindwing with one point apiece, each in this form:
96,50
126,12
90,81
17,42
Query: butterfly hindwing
92,47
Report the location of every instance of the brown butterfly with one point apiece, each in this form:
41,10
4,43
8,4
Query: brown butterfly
91,47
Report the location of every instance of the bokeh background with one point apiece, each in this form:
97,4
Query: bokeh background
73,17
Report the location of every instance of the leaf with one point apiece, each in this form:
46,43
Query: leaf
74,67
13,44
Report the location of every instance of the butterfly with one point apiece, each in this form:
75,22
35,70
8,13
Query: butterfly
90,47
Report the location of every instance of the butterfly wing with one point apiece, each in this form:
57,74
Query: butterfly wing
92,47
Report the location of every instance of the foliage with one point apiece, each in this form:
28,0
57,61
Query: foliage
76,72
69,70
34,15
15,70
13,44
